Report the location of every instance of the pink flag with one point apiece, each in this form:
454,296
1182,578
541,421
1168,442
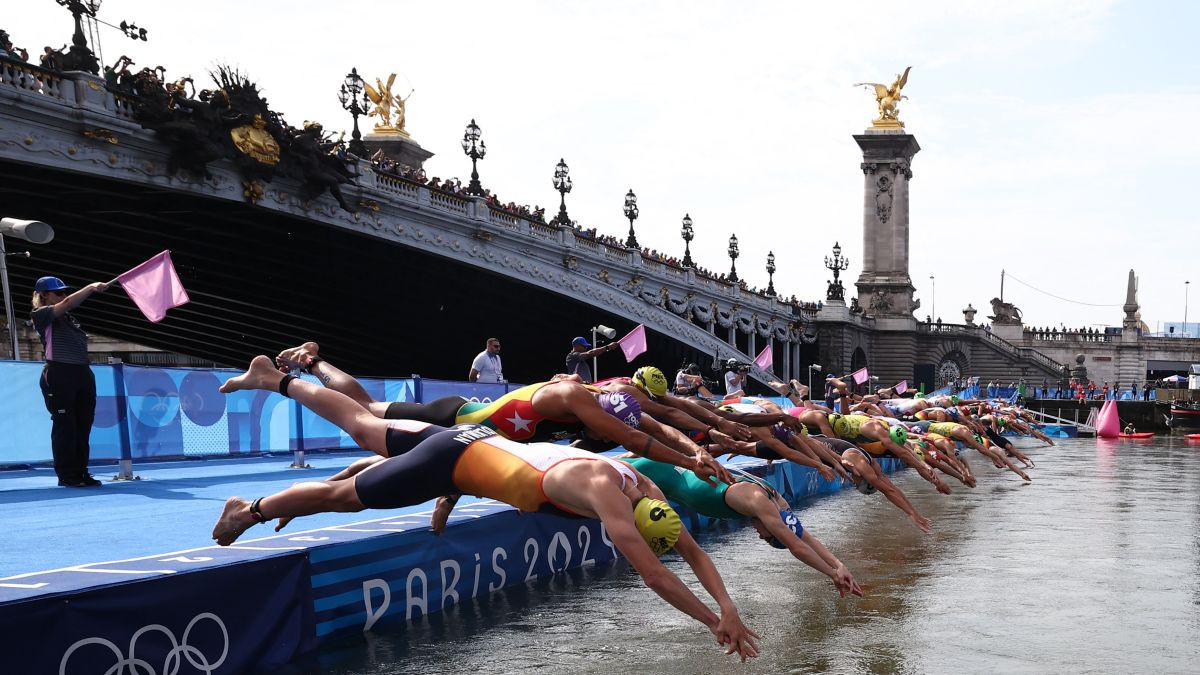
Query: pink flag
860,376
765,358
154,286
634,343
902,387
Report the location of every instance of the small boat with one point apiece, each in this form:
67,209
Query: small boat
1184,415
1193,437
1141,434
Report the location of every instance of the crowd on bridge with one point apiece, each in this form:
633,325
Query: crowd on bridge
502,450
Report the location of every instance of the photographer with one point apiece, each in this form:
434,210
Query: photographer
735,375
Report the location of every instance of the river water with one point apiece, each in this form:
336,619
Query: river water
1094,567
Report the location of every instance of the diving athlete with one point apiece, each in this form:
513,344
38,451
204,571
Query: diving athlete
474,459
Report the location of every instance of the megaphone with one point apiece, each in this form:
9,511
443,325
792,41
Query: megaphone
34,231
608,333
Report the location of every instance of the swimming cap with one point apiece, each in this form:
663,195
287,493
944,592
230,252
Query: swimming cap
918,395
898,435
658,523
953,399
916,450
621,406
650,380
793,524
784,434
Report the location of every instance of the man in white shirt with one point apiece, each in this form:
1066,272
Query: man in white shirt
734,377
487,367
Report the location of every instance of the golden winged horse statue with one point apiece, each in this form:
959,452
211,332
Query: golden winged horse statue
888,98
385,104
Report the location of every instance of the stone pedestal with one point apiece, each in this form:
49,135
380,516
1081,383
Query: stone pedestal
884,287
1013,332
401,148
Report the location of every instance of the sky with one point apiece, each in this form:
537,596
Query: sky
1058,137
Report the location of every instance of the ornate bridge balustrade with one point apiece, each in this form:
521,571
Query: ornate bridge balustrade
73,123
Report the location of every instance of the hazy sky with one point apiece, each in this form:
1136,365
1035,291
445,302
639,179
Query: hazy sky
1058,138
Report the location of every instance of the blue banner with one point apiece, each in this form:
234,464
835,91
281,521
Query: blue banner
405,576
179,412
225,620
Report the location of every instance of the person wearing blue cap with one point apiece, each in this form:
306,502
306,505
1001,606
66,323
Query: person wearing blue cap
68,386
581,351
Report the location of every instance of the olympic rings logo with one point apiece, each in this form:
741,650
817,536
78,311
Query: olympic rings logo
174,658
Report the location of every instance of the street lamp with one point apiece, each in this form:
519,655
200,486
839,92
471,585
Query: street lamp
688,234
733,256
562,183
33,231
837,264
771,272
1185,304
631,212
811,368
475,149
79,57
933,300
349,95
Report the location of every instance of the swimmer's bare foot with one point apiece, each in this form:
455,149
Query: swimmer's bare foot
298,358
234,520
260,375
800,389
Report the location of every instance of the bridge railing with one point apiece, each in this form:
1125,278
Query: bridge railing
35,79
1014,351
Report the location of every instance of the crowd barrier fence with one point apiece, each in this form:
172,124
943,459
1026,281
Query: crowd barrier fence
149,413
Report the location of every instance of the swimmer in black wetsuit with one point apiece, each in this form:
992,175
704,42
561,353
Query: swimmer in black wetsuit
473,459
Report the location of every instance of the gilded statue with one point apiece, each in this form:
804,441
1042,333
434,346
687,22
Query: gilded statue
387,106
888,98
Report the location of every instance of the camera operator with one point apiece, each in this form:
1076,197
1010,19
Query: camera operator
689,382
735,375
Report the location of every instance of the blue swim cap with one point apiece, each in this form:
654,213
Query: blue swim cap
621,406
793,524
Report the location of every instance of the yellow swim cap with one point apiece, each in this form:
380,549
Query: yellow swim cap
650,380
658,523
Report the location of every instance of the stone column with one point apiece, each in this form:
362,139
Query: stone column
884,287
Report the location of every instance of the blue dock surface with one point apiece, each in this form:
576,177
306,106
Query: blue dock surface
127,574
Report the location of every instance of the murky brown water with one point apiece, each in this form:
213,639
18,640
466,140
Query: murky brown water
1095,567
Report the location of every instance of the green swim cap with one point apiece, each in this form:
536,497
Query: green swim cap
658,523
898,435
918,395
953,399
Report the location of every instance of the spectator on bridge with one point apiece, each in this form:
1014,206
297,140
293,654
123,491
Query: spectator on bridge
581,351
1146,390
487,366
1091,390
1104,392
68,386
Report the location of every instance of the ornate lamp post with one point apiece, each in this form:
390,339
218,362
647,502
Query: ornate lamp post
837,264
688,234
733,256
355,101
631,212
79,57
771,272
475,149
562,183
933,296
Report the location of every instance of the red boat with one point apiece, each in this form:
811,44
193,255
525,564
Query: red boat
1140,434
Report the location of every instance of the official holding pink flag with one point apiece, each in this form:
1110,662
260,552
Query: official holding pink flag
68,385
